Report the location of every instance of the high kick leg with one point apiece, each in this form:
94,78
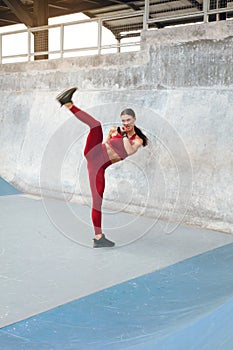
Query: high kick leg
97,161
95,136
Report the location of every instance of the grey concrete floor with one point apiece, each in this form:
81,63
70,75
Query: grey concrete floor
47,259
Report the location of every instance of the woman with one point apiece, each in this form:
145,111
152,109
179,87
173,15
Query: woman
121,143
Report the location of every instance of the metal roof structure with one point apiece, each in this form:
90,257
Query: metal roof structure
35,13
28,11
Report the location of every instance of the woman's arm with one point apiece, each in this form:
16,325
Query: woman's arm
132,148
111,132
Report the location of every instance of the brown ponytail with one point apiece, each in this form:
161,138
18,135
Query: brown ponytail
141,135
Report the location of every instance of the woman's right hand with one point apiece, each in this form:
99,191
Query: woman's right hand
120,130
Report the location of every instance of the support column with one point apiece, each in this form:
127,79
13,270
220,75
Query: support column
40,12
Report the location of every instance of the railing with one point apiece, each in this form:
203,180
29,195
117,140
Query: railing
84,37
106,35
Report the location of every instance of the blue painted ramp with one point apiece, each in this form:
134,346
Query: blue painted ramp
6,189
186,306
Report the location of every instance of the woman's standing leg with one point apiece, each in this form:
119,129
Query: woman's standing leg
97,185
93,153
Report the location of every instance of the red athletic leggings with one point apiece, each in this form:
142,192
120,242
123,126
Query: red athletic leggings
97,161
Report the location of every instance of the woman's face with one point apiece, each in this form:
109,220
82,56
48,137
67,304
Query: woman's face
128,122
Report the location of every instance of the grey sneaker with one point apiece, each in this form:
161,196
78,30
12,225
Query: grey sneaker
102,242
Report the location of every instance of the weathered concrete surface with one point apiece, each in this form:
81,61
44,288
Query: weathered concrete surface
180,85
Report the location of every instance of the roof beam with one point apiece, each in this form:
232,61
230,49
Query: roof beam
130,4
20,12
78,6
6,22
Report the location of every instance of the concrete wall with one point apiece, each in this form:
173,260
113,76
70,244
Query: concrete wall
180,85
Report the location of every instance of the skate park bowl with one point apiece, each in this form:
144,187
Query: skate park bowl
158,288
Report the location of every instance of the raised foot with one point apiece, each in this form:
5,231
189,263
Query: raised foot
102,242
66,96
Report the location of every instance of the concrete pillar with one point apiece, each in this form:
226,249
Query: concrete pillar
40,12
